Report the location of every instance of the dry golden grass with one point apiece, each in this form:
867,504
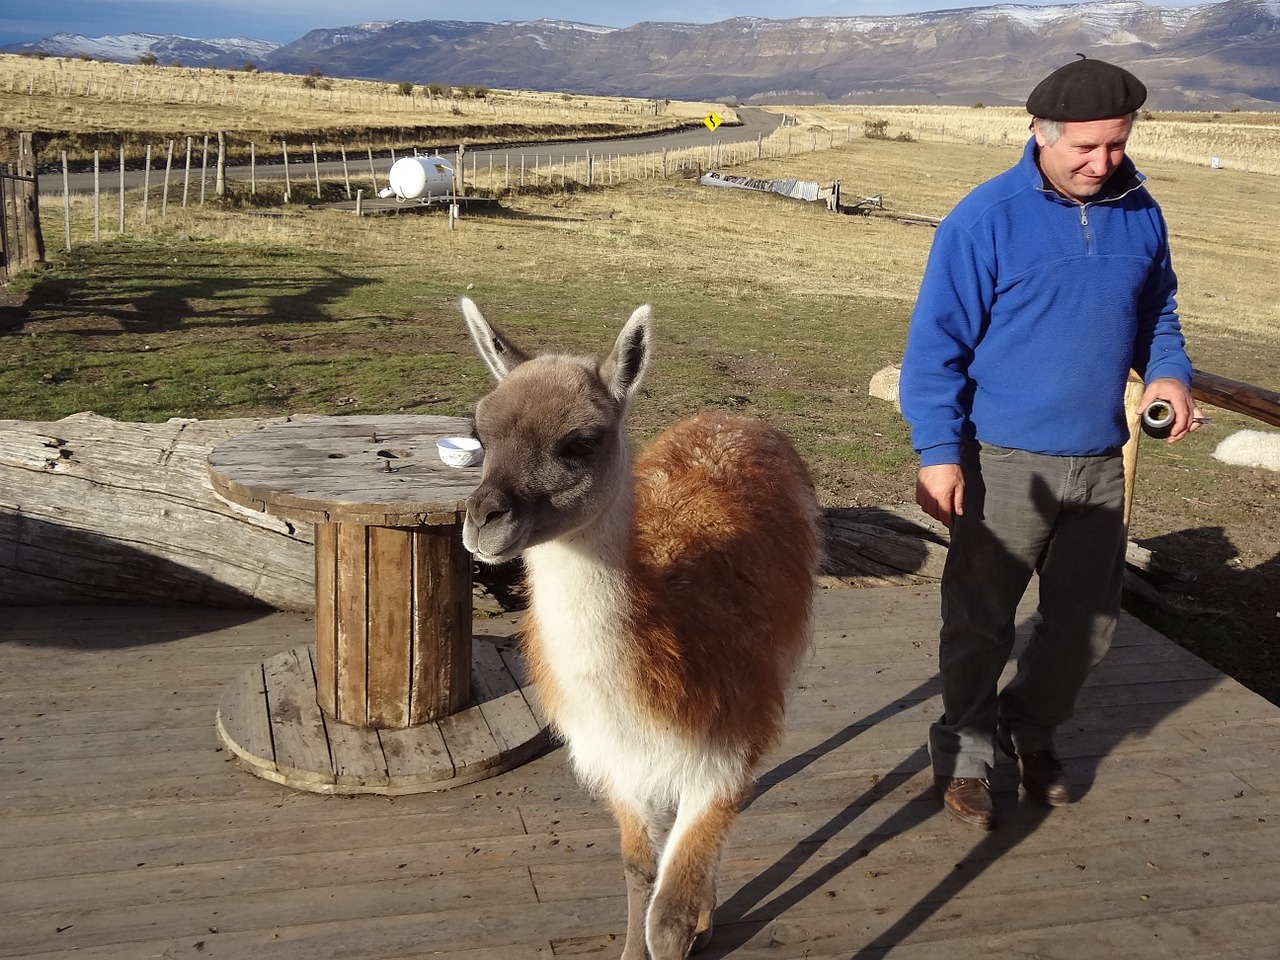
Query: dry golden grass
1247,142
57,95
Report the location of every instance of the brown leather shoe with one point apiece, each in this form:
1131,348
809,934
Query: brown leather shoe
1042,774
968,799
1044,779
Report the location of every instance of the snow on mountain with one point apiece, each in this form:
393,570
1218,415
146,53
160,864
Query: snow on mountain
1218,55
128,47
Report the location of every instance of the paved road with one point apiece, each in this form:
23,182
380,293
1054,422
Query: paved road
755,123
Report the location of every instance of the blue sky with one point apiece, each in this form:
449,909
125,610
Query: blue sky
285,20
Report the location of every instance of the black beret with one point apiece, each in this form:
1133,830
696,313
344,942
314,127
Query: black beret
1086,90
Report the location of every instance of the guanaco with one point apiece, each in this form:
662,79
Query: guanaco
669,605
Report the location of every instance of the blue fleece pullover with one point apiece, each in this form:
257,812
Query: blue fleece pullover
1031,313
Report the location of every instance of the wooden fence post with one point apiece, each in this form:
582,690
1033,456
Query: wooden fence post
288,187
66,202
29,217
4,223
97,198
121,227
204,168
220,174
186,176
164,197
146,185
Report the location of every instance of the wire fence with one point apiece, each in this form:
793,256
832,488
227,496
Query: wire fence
133,187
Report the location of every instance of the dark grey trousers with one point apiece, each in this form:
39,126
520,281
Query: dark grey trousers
1062,517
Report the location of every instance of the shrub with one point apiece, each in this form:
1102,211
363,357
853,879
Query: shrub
876,129
148,59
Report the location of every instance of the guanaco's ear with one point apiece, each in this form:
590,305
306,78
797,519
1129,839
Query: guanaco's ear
500,354
624,368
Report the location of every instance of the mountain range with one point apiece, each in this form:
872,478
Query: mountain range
1223,55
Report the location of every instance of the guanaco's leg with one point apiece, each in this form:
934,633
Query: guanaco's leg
640,865
680,915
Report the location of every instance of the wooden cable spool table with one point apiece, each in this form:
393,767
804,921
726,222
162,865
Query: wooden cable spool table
394,697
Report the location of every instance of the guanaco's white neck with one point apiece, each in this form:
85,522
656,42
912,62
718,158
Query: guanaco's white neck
580,592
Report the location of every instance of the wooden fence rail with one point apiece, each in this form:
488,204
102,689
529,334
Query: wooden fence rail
1253,401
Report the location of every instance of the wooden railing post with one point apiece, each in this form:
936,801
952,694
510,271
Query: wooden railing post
1133,416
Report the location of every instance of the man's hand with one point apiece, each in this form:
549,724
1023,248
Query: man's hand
940,491
1186,415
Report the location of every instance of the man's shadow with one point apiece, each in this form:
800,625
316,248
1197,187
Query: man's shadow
1112,717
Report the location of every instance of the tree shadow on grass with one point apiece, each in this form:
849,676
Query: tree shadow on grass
155,289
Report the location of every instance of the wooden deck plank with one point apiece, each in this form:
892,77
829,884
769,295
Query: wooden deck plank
375,897
470,842
127,833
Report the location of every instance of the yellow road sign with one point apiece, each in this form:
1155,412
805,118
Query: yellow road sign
712,120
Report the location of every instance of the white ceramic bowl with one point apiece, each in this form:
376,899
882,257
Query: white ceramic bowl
460,451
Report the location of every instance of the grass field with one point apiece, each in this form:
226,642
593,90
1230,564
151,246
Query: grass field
763,304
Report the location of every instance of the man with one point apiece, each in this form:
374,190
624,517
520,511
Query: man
1044,286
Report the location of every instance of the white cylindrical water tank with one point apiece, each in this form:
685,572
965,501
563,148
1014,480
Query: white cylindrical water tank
413,178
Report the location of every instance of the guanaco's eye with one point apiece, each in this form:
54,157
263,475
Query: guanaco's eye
577,448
